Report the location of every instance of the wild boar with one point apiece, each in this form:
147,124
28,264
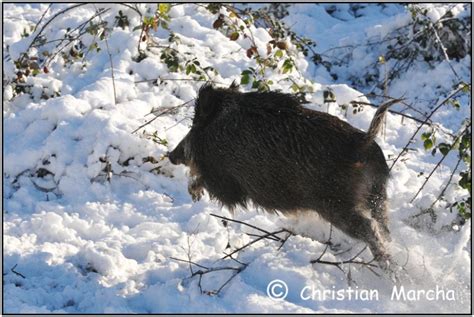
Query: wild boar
265,147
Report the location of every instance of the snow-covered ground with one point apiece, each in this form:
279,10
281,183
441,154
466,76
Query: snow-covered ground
94,228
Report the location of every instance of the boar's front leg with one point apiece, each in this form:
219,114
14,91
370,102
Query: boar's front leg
196,182
196,188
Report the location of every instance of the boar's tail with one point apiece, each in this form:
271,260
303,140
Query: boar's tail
376,123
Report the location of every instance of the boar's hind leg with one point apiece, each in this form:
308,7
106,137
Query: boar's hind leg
368,230
377,204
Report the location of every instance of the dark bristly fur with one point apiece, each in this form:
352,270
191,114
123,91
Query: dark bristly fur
266,148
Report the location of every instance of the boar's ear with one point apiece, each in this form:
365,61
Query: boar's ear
208,102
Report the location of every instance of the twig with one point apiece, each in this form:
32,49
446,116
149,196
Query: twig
351,260
179,79
80,27
190,262
368,265
259,235
391,111
206,270
71,40
15,272
254,241
441,194
110,56
42,16
45,25
43,189
140,38
327,243
289,234
246,224
162,113
178,122
403,102
439,163
426,120
445,53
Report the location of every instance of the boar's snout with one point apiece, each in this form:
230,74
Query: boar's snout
178,155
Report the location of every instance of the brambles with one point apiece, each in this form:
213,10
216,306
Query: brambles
274,55
422,38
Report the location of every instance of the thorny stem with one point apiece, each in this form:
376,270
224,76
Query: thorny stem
439,163
441,194
424,122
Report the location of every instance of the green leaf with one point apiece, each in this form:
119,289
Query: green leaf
444,148
164,8
245,79
425,136
164,25
279,54
455,103
428,144
287,66
148,21
190,68
465,181
234,36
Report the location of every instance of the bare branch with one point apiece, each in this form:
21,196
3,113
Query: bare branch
190,262
265,236
162,113
391,111
15,272
42,16
445,52
205,270
179,79
452,94
248,225
110,56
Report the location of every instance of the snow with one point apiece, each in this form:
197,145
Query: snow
87,245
